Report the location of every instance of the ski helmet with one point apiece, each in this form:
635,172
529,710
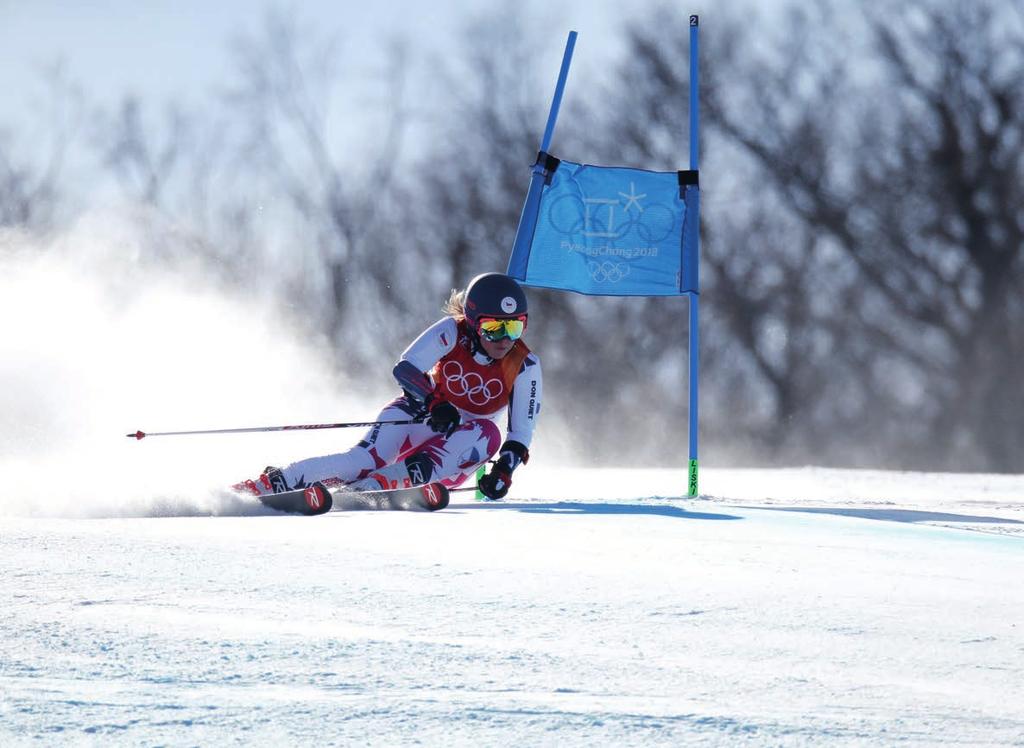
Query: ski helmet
494,295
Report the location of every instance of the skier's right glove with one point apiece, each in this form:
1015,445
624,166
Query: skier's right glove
443,417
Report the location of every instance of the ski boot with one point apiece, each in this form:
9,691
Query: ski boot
270,481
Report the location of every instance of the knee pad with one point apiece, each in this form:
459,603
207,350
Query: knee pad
420,468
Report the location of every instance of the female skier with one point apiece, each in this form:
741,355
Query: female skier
456,379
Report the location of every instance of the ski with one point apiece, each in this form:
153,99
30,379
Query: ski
311,500
318,499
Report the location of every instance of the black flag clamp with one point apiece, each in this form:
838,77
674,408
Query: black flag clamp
548,163
688,178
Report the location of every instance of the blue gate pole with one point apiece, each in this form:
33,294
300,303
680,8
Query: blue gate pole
694,295
528,219
556,101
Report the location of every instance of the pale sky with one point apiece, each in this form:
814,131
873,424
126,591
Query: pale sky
161,46
180,48
181,51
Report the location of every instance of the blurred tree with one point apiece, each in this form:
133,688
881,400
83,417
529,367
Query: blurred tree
32,168
875,288
921,192
266,187
466,192
341,258
144,168
758,389
183,181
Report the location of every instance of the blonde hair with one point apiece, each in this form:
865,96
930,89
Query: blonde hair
455,307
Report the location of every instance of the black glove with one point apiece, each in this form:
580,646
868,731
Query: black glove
443,417
496,483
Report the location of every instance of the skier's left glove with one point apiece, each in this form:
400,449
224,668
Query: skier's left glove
496,483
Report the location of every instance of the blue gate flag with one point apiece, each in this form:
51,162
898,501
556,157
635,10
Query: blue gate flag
608,231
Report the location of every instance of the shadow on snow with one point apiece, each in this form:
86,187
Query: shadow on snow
897,515
587,508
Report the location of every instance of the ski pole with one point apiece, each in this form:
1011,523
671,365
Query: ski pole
302,427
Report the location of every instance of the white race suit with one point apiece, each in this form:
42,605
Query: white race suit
455,369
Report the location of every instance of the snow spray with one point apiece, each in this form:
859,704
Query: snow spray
96,339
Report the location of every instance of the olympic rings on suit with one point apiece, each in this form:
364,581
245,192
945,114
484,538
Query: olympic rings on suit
471,386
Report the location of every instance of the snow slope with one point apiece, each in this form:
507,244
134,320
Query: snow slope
786,607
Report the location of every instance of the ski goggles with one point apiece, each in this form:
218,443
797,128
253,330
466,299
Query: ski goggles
495,329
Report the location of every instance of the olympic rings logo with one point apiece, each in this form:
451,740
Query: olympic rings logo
607,272
572,216
471,386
